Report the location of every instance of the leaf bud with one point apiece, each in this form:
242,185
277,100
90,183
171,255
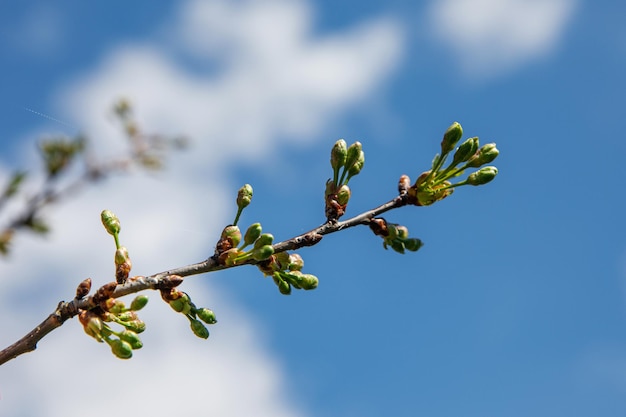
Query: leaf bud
199,329
244,196
403,184
110,222
206,315
450,138
139,302
83,288
252,234
121,349
338,154
482,176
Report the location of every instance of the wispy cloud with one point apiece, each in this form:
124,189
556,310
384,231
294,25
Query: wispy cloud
275,80
490,37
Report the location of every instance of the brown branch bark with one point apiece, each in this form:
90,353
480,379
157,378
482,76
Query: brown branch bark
67,310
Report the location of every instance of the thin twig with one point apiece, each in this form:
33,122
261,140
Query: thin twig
67,310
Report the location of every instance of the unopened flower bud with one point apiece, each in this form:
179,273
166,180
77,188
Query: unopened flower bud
353,155
263,253
139,302
343,195
413,244
338,154
206,315
357,166
485,154
450,138
263,240
121,349
465,151
482,176
136,326
252,234
199,329
244,196
110,222
132,338
309,282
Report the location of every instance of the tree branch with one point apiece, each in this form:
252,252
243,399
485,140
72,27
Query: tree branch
173,277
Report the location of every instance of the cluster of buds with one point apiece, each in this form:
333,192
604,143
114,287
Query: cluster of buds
348,160
395,236
181,303
59,152
107,310
434,185
286,272
123,264
232,250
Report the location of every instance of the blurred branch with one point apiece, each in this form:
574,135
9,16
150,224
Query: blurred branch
59,154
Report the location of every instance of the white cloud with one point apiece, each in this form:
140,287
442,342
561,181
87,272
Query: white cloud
275,80
493,36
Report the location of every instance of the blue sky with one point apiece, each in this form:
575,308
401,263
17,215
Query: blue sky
514,307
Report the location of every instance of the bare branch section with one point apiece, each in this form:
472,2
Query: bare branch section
171,278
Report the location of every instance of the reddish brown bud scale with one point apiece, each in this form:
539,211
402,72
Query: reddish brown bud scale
83,288
403,184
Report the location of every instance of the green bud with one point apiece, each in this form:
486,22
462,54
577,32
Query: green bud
309,282
115,306
283,286
357,166
252,234
121,255
465,151
413,244
343,195
296,263
233,233
139,302
199,329
450,138
127,315
482,176
263,240
263,253
403,232
136,326
485,154
338,154
206,315
121,349
110,222
397,245
178,305
244,196
132,338
353,155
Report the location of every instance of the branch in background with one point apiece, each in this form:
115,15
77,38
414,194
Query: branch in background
235,249
59,154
